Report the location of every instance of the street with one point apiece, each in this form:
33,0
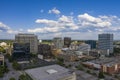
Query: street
12,73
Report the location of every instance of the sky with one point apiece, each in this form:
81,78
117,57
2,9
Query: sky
78,19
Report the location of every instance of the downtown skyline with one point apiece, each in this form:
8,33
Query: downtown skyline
79,19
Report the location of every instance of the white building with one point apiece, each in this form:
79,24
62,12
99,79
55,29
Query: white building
85,48
3,44
58,42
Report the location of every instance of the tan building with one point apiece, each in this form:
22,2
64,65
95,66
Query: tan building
1,59
111,68
56,52
28,38
106,65
69,57
9,49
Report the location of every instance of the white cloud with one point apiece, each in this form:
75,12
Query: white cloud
46,21
66,19
88,20
64,23
3,27
54,11
83,24
6,29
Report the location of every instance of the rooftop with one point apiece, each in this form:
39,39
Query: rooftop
52,72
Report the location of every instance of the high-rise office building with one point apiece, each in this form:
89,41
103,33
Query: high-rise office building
67,41
105,42
21,51
58,42
92,43
28,38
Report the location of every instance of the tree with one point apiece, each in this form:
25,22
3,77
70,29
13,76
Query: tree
101,75
12,78
88,71
1,74
16,66
9,57
2,49
79,67
25,77
60,61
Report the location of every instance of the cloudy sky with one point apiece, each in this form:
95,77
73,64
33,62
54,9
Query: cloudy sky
79,19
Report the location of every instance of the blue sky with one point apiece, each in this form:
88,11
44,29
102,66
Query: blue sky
79,19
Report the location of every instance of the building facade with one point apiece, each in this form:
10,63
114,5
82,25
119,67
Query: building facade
58,42
85,48
92,43
2,60
45,50
21,50
67,41
105,42
28,38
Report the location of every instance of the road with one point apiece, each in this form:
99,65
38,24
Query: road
11,73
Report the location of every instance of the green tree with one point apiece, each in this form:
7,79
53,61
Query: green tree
60,61
1,74
25,77
79,67
101,75
88,71
16,66
9,57
2,49
12,78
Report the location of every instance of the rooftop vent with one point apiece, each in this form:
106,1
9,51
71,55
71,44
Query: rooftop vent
51,71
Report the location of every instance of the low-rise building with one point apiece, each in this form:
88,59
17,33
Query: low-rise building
52,72
85,48
56,52
1,59
3,44
9,49
107,65
69,55
45,50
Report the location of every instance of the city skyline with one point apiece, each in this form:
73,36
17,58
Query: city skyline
80,19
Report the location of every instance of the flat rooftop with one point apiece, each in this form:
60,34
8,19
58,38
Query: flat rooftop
107,61
52,72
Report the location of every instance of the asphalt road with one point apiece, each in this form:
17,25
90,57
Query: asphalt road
11,73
